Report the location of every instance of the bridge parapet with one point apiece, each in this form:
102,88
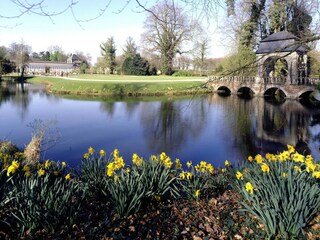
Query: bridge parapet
267,80
231,79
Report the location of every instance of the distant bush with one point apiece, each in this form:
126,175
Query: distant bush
183,73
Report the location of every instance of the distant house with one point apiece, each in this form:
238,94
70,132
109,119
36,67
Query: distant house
54,68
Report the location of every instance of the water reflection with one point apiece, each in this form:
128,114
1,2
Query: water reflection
210,128
169,124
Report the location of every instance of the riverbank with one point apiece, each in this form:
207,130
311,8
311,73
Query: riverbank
102,85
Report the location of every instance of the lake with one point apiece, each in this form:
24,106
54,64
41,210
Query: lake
212,128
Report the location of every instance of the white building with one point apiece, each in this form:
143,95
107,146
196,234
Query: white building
54,68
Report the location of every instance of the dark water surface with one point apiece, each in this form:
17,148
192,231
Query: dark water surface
210,128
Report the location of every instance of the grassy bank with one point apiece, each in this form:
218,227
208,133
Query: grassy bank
121,85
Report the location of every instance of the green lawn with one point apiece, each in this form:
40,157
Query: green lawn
163,85
127,77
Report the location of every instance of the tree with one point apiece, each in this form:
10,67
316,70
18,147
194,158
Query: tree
201,51
19,53
241,63
108,51
130,49
167,27
138,66
44,55
5,65
57,54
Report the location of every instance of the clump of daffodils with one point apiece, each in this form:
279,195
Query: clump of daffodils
280,190
115,165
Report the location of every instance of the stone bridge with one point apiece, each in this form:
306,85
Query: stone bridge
263,87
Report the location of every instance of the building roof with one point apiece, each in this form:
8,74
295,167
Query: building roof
50,64
280,42
278,36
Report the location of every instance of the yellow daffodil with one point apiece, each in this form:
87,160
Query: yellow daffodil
56,173
189,164
136,159
41,172
297,157
90,150
110,169
26,168
27,173
115,153
290,148
249,188
239,175
210,168
258,158
68,176
86,155
189,175
265,168
13,167
226,163
102,153
250,158
197,193
178,164
316,174
297,168
47,164
223,170
182,175
63,164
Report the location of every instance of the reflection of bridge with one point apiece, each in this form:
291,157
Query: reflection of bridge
268,86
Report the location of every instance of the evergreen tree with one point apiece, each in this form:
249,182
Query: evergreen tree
108,51
138,66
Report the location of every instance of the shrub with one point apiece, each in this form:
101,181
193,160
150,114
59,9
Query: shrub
282,191
183,73
136,65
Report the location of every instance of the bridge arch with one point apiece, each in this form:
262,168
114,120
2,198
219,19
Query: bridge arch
305,93
244,90
273,91
224,89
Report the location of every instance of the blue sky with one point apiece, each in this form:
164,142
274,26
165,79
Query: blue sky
63,30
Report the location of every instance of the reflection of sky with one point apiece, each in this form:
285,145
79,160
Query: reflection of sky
209,135
314,143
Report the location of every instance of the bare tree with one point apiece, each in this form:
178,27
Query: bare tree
19,53
130,48
45,8
201,52
166,29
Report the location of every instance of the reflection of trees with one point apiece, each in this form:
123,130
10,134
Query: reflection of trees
4,94
258,126
168,124
18,96
108,107
238,114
